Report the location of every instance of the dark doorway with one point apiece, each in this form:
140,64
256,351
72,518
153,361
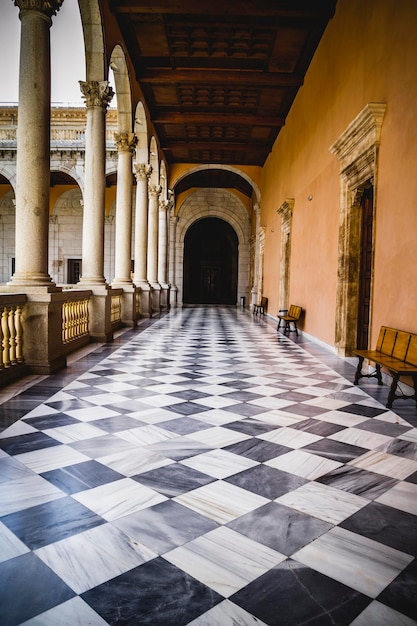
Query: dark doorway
210,263
365,270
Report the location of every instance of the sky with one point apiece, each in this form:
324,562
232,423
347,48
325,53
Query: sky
67,53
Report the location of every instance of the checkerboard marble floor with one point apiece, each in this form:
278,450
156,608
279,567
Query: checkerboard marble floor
205,470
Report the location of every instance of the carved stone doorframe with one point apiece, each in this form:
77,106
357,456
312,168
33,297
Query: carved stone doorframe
285,211
357,150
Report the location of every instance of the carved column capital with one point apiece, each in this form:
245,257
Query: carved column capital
125,142
163,206
286,209
47,7
154,190
142,171
96,93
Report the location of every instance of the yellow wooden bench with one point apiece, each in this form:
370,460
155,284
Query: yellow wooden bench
261,307
396,351
288,317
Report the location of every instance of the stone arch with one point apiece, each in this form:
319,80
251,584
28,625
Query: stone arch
7,235
9,172
95,58
65,234
123,93
141,132
229,168
154,161
219,203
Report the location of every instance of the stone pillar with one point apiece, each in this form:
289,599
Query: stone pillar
153,224
163,254
255,286
142,173
125,143
172,260
33,141
97,96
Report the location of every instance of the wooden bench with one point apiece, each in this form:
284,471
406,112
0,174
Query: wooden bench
396,351
288,317
261,307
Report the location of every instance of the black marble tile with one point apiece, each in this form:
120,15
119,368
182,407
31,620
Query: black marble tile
401,594
385,524
400,447
117,423
361,409
250,426
279,527
296,396
189,394
81,476
173,480
179,448
184,425
266,481
318,427
242,395
154,594
69,405
294,594
244,410
187,408
358,481
412,478
28,587
257,449
54,420
27,443
335,450
383,428
46,523
238,384
307,410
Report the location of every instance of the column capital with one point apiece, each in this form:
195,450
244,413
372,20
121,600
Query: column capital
97,93
163,206
142,171
125,142
47,7
155,190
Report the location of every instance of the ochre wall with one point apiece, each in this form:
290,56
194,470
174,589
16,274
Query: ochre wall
368,54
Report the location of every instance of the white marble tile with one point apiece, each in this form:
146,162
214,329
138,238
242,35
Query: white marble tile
217,417
160,400
131,462
165,388
218,437
385,464
51,458
213,389
12,469
290,437
18,428
146,435
152,415
61,396
100,399
92,413
377,614
326,403
219,463
224,560
119,498
216,402
300,463
10,545
221,501
341,418
265,390
354,560
40,410
88,559
280,418
271,402
327,503
25,492
74,612
410,435
74,432
362,438
402,496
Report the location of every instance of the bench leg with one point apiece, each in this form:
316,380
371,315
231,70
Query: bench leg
391,395
295,328
358,373
378,374
279,324
415,387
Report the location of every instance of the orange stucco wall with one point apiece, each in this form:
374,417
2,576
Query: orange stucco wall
368,54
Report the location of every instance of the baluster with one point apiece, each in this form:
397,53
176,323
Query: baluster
19,333
12,339
6,338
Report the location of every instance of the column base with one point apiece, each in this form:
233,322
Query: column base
128,303
156,298
144,295
165,290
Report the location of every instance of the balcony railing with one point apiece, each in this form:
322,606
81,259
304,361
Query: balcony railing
74,318
11,330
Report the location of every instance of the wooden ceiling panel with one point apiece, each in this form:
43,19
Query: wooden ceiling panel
219,78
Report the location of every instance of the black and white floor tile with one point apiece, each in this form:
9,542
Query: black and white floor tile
205,470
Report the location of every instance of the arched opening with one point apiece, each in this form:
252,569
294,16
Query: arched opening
210,263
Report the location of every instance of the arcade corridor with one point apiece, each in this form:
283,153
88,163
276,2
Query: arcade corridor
206,470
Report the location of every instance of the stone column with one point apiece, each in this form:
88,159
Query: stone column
33,141
153,224
255,286
97,96
163,253
172,260
125,143
142,173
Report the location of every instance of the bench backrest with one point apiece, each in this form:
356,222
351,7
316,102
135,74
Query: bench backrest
398,344
295,311
264,302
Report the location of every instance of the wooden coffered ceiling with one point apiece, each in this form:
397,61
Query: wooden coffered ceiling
219,76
